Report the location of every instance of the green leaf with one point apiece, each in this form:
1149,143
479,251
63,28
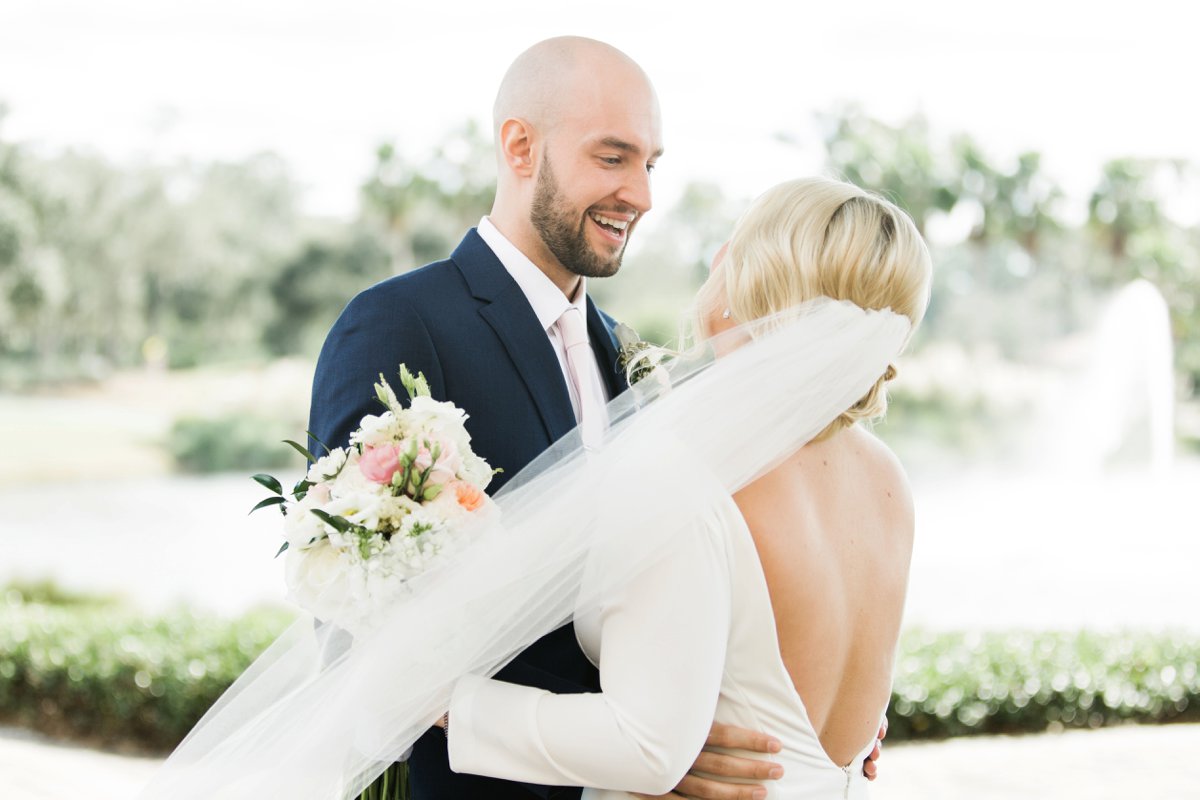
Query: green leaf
270,501
301,450
312,436
301,488
340,524
282,547
431,492
268,482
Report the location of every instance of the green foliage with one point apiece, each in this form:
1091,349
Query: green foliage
953,684
104,672
898,162
422,210
238,441
311,287
47,592
104,266
111,675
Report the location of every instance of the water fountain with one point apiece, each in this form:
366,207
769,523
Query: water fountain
1094,528
1126,399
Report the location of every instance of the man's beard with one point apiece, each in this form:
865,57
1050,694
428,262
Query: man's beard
563,234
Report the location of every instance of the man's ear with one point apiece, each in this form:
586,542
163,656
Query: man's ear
516,145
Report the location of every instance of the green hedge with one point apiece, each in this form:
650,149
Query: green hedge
233,442
104,673
951,684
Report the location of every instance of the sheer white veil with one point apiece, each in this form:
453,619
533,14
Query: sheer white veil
320,715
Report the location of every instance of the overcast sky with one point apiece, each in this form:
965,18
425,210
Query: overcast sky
322,83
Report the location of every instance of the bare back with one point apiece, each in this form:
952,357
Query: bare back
833,526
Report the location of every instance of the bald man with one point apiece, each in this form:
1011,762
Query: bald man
577,133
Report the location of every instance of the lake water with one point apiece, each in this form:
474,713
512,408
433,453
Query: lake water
994,550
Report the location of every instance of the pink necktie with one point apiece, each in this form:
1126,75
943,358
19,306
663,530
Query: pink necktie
581,370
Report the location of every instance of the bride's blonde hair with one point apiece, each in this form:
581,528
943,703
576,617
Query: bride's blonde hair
817,237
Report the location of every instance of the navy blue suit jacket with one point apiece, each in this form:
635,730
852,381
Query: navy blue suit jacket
468,327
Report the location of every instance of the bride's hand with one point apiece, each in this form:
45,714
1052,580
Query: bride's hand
716,766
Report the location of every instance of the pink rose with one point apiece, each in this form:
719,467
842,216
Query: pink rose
379,464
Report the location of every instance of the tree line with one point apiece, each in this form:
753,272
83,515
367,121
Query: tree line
106,266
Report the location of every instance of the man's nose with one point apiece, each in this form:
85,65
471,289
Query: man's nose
635,191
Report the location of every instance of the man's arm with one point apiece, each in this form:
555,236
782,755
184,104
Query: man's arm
374,334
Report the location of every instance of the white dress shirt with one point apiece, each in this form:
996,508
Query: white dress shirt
547,300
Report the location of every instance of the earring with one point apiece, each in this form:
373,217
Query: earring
726,314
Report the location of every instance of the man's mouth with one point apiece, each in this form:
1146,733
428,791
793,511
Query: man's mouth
614,228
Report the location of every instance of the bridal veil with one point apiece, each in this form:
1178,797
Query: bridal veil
319,715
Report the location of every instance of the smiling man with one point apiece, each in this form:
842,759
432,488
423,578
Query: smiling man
504,329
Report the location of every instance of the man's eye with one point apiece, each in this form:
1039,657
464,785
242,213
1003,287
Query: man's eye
612,161
651,167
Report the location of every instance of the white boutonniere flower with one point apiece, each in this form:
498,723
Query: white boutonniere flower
637,358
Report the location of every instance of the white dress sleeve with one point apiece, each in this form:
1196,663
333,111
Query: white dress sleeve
662,653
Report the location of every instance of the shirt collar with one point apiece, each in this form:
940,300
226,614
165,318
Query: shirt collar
544,296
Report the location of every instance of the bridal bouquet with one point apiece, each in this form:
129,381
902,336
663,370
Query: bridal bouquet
369,517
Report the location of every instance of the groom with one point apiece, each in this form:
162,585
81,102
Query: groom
504,329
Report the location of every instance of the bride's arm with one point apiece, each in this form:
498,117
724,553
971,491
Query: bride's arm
662,655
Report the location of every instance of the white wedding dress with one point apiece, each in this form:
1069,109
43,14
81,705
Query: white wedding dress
696,629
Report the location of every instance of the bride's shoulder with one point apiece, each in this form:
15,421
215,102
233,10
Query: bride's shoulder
875,451
881,468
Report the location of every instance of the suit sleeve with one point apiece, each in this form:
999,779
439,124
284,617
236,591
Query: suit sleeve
375,333
662,656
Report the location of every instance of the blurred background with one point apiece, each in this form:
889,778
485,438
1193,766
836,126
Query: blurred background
190,193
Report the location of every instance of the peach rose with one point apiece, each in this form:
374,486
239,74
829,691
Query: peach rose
469,496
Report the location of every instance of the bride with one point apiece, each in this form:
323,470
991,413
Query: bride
736,549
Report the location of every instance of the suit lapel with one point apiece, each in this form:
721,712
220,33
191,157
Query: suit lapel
511,318
604,345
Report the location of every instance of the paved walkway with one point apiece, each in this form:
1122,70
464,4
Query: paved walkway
1129,763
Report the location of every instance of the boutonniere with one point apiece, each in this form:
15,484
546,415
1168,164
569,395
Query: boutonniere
637,358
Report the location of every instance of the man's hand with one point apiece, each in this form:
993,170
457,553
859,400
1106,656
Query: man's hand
869,767
721,766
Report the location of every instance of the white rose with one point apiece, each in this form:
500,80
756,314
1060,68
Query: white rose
426,409
376,430
318,580
476,471
301,527
361,508
326,466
